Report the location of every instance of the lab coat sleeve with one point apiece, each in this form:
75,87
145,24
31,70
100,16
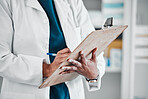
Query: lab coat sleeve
19,68
86,28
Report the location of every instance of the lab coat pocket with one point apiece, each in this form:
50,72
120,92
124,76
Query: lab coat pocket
12,95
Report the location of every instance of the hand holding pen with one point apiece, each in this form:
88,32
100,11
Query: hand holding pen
61,56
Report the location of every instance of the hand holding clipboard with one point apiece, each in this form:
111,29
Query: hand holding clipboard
99,39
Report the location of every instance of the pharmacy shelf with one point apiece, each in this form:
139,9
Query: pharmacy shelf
113,70
141,41
141,61
141,29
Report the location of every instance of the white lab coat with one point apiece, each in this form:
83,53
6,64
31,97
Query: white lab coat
24,42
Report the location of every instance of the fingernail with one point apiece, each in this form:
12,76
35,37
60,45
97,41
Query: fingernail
70,60
63,68
82,52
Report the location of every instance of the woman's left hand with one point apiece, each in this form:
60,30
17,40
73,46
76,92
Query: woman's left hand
85,67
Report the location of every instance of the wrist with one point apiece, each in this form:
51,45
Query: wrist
46,70
94,79
93,76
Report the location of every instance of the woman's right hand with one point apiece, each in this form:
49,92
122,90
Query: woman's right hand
48,69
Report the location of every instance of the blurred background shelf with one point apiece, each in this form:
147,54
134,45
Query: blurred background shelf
141,61
132,47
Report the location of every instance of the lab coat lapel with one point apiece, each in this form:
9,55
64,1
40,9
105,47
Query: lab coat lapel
63,8
34,4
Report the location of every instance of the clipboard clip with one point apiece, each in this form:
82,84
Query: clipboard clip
108,23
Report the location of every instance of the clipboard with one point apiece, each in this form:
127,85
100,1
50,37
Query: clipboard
98,39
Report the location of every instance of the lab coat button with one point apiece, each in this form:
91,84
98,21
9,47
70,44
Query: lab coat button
45,21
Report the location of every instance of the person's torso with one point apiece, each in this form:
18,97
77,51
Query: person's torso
31,37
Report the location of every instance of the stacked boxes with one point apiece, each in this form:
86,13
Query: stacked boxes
113,54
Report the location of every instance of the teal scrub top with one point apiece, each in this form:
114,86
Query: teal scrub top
56,43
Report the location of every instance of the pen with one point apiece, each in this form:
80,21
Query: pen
51,54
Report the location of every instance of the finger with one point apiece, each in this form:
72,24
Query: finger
74,62
69,68
83,59
66,72
65,55
65,50
60,59
94,54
